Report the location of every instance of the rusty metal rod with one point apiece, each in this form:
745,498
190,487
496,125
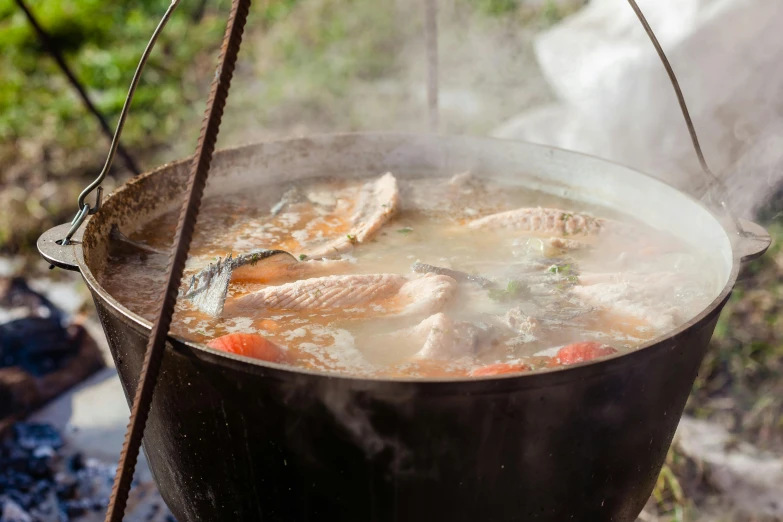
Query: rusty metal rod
46,41
185,228
431,37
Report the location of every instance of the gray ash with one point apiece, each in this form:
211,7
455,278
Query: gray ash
39,483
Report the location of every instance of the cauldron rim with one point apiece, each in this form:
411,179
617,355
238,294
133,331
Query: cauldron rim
276,371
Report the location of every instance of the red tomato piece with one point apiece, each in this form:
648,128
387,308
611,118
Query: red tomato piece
249,345
581,352
499,369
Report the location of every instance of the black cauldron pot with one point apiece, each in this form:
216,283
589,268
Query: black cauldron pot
233,439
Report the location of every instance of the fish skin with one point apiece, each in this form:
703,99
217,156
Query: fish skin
324,293
208,288
378,202
395,294
423,268
543,221
259,273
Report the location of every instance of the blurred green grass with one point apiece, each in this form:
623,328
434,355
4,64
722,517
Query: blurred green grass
102,42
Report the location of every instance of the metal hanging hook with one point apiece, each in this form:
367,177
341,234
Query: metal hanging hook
716,182
84,208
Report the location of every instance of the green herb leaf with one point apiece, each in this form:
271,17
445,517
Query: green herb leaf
514,290
405,231
351,238
560,269
302,257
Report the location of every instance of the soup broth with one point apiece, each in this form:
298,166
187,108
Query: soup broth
421,276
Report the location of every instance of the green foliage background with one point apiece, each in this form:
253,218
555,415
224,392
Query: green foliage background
102,42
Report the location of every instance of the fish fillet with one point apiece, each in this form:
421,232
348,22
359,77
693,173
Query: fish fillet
442,338
542,221
376,293
651,304
522,323
377,203
561,243
268,274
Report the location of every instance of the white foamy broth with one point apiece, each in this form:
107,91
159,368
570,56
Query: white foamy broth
623,289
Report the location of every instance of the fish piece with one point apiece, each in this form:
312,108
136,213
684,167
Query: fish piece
500,369
518,320
377,293
436,335
250,345
580,352
324,293
649,304
566,244
425,295
378,202
423,268
207,290
542,221
286,271
442,338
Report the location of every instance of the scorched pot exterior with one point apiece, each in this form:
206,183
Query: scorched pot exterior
249,443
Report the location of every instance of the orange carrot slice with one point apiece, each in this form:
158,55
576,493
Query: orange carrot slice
580,352
499,369
249,345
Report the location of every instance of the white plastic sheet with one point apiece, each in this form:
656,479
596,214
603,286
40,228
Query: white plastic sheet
616,101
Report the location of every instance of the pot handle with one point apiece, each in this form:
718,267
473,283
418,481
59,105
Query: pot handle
54,250
754,241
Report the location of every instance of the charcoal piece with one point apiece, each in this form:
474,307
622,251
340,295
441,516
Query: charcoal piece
30,436
76,462
39,342
12,480
77,507
36,344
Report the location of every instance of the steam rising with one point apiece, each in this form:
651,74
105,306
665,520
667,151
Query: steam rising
351,405
616,101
